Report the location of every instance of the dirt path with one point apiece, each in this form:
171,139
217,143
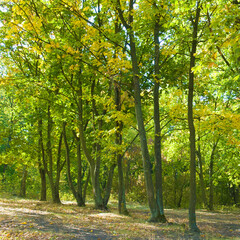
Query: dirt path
28,219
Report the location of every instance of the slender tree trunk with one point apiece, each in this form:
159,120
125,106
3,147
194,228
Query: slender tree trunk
157,127
211,176
56,197
23,182
175,187
79,179
94,166
76,194
122,208
96,180
109,185
41,160
142,133
138,109
192,202
54,185
180,197
94,173
202,185
43,196
85,186
127,176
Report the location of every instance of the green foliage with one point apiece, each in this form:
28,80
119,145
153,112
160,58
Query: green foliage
53,50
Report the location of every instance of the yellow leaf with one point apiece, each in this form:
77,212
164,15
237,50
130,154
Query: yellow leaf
71,67
212,64
86,9
214,56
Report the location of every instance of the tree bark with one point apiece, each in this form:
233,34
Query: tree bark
192,202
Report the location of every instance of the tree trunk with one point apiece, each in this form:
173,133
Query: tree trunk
23,182
211,176
127,175
94,172
142,133
139,115
192,202
43,196
175,188
157,127
122,208
180,197
109,186
81,198
41,162
54,185
76,194
85,186
202,185
94,165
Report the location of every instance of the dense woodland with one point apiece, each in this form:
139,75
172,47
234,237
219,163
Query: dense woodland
137,100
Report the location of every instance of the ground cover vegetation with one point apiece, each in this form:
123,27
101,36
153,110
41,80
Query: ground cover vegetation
128,100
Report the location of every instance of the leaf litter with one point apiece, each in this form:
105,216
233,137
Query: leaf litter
31,219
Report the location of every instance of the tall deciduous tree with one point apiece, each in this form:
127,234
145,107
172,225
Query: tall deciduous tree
192,137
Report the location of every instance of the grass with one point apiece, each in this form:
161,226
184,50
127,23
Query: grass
31,219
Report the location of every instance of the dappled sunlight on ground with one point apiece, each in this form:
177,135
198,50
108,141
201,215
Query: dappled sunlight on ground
32,219
108,215
15,211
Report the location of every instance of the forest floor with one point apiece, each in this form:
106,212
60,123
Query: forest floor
31,219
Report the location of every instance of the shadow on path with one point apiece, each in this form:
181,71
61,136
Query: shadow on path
20,219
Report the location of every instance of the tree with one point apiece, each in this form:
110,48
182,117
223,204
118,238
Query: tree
192,203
